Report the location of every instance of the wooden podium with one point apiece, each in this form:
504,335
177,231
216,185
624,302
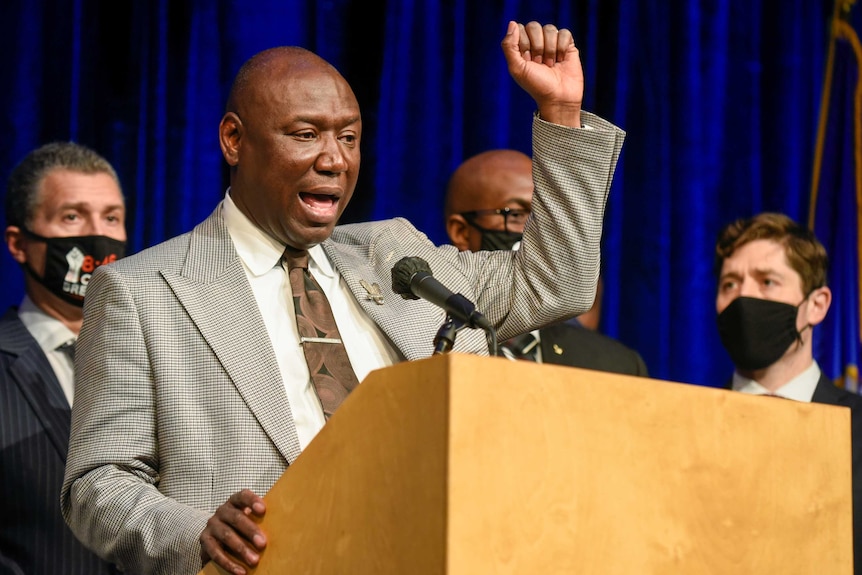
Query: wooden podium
467,465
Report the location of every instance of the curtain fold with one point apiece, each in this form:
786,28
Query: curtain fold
836,197
719,100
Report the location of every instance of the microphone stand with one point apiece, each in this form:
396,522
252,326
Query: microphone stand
445,338
491,336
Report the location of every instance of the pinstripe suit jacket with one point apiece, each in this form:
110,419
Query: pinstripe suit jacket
34,436
179,400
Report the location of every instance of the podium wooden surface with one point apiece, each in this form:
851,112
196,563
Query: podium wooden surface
470,465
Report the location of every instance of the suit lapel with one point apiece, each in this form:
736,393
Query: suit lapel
214,273
409,324
35,378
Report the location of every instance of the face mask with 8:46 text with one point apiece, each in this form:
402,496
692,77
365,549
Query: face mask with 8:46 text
70,261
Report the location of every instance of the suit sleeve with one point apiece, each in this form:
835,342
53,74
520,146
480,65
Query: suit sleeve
110,497
556,270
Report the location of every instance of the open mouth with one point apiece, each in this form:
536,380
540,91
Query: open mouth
320,207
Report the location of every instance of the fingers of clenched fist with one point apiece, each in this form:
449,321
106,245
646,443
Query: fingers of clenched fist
544,44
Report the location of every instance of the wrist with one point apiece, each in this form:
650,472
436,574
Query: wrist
565,115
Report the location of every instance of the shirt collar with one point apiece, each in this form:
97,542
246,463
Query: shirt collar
260,252
49,333
320,264
800,388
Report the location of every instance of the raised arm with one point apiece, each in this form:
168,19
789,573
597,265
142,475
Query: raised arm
544,61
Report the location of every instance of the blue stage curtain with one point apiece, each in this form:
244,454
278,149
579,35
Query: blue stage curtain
836,197
719,98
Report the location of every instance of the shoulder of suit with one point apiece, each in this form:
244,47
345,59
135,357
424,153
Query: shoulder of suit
345,233
10,315
827,392
564,328
589,337
851,399
393,236
170,253
15,338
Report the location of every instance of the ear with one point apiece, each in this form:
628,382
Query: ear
16,243
230,135
818,305
459,231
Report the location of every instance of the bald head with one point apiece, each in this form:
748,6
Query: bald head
274,64
291,135
488,181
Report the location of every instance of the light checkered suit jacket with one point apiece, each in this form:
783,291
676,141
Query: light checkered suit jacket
179,400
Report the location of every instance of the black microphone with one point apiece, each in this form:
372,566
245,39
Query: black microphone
412,279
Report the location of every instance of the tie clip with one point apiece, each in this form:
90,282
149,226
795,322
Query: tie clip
303,340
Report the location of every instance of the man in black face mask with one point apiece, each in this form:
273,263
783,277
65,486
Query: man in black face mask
488,201
65,216
771,293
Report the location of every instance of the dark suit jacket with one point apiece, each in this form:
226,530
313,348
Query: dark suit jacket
34,433
566,344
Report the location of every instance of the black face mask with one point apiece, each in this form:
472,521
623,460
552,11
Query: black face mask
499,240
69,263
757,332
493,240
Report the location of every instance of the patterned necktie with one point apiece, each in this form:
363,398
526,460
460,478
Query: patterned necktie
327,360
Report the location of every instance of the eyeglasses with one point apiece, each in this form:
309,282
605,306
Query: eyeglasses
511,217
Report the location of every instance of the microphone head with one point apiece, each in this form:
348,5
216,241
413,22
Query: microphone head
403,272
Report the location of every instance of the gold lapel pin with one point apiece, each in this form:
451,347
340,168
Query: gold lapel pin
373,292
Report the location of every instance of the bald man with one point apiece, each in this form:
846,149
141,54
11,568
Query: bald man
194,392
488,200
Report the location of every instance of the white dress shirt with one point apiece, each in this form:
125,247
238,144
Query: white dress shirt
367,347
51,333
800,388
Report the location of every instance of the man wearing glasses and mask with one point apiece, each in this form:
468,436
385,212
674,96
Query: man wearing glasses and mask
488,201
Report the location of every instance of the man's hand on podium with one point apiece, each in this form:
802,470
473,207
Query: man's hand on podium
233,529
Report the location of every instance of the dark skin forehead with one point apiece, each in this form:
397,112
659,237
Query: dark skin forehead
481,181
266,67
285,85
259,86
